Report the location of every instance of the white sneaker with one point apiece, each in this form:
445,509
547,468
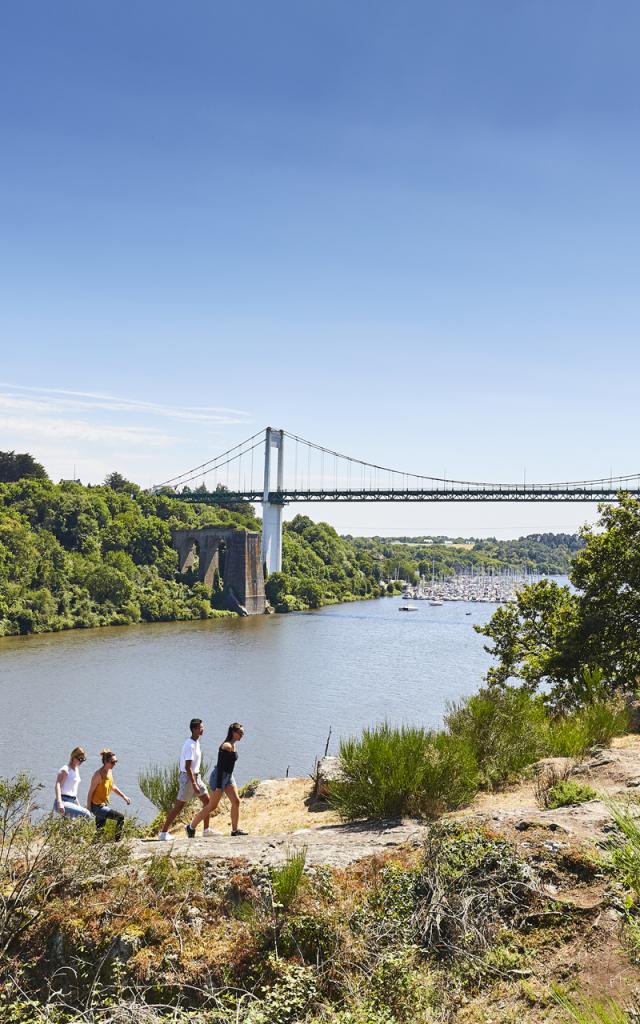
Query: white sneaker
208,832
166,837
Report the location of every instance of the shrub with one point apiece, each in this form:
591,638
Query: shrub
595,724
566,794
471,885
288,999
39,862
286,880
506,730
392,771
160,785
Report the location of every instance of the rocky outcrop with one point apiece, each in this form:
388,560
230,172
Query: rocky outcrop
327,771
335,845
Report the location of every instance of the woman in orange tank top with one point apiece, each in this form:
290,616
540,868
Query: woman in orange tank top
100,789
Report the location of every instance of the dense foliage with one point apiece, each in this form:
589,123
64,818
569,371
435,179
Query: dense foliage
544,553
91,556
320,567
16,465
552,634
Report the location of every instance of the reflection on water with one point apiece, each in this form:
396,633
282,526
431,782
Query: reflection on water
288,678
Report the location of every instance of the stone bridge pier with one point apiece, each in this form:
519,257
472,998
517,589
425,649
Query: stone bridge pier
242,575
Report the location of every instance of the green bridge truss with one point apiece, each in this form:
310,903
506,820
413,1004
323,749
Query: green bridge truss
533,493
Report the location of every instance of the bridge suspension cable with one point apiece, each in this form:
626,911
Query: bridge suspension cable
601,481
326,472
211,465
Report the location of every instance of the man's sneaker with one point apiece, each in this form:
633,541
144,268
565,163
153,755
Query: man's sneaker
190,830
239,832
166,837
208,832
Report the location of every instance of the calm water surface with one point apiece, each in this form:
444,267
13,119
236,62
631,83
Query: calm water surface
288,678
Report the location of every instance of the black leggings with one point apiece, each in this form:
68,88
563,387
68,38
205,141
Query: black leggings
102,814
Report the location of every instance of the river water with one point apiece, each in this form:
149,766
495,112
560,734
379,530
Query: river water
288,678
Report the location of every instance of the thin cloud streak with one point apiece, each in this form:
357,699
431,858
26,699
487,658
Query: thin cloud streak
82,431
88,400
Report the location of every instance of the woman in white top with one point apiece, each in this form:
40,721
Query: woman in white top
67,783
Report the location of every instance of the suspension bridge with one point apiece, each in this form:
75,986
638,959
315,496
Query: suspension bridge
249,472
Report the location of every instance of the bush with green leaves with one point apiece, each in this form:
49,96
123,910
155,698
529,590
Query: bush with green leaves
507,730
490,738
41,859
593,725
390,771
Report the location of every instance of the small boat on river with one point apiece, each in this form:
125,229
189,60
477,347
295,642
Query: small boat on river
407,608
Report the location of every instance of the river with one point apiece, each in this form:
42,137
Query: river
288,678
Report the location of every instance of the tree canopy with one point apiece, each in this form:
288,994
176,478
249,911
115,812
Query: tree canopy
552,634
17,465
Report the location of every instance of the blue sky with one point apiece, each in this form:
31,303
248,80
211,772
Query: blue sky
408,231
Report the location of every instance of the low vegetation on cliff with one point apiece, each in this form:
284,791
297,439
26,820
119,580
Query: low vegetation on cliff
488,740
466,928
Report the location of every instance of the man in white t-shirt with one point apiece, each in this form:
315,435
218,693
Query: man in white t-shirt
190,782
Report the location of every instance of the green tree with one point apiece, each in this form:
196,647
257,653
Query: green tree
117,482
17,465
551,635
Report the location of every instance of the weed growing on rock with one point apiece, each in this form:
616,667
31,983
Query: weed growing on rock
567,794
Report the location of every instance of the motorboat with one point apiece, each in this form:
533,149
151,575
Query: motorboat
407,608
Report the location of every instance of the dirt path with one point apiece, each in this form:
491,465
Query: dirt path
335,845
282,815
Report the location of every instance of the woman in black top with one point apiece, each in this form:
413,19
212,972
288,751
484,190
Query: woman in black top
222,781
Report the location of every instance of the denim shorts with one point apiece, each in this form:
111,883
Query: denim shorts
185,790
228,779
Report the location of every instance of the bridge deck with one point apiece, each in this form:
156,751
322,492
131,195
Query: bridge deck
523,493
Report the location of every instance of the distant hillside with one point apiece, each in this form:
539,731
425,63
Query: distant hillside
547,553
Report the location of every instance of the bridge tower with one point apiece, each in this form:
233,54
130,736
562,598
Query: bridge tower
272,511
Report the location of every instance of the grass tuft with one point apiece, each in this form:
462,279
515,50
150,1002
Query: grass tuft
286,880
588,1011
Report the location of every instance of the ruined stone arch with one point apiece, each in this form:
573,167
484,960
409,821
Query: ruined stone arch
242,578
